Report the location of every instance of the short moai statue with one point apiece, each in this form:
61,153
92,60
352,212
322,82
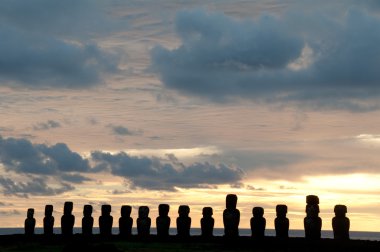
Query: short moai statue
340,223
258,223
125,221
105,221
281,223
48,220
183,221
30,222
163,221
231,217
143,222
207,222
87,220
312,222
67,219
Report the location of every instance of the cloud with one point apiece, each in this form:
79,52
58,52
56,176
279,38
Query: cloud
154,173
10,213
121,130
317,60
50,124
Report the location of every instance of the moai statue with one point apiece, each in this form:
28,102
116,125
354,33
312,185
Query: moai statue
231,217
67,219
340,223
163,221
30,222
258,223
281,223
183,221
207,222
143,222
105,221
312,222
87,220
125,221
48,220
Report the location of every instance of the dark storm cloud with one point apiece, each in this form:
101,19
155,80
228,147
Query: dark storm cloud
316,60
155,173
50,124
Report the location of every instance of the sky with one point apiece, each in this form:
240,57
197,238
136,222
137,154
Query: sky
143,102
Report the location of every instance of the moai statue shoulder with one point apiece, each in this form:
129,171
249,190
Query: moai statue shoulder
258,223
87,220
340,223
106,221
48,220
281,222
125,221
207,222
312,222
143,222
30,222
183,221
163,221
67,219
231,217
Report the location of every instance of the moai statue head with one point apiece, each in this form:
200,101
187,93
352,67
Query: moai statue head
312,200
340,210
183,211
312,210
163,210
125,211
258,212
231,201
87,210
207,212
143,212
68,208
281,211
30,213
49,210
106,210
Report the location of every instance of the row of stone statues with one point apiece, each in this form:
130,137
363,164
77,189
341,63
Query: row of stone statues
231,219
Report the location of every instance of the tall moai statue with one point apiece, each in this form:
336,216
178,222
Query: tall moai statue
105,221
163,221
281,223
340,223
312,222
30,222
143,222
231,217
125,221
258,223
183,221
48,220
87,220
207,222
67,219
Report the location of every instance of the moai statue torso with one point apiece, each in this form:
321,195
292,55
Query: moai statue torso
30,222
258,222
231,217
163,221
67,220
312,222
105,221
340,223
143,222
87,220
207,222
48,220
183,221
281,223
125,221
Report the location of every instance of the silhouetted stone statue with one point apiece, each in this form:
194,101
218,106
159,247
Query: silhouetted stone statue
340,223
67,219
281,223
183,221
207,222
163,221
30,222
105,221
231,217
143,222
258,223
125,221
48,220
87,220
312,222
